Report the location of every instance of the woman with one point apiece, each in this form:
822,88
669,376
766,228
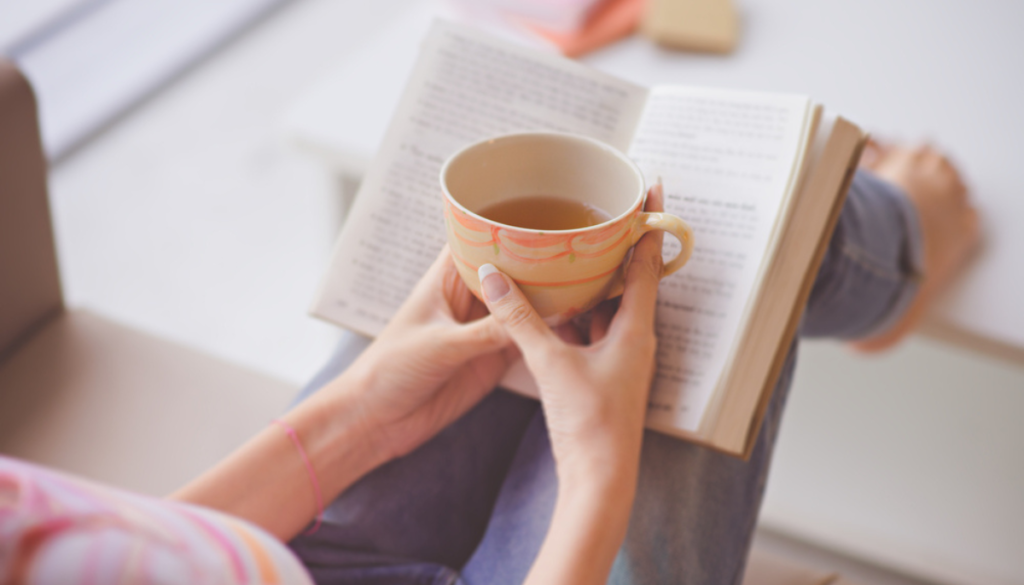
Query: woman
434,478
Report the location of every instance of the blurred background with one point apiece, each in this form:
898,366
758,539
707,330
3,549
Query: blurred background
203,154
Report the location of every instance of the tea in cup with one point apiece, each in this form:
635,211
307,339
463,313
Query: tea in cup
556,212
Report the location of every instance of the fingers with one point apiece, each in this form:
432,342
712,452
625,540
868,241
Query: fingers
655,198
642,278
643,275
441,267
428,294
437,279
871,154
510,308
874,152
602,319
442,290
462,305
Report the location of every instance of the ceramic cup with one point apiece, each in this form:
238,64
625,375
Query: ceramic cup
562,272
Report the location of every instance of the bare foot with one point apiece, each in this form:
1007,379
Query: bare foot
949,225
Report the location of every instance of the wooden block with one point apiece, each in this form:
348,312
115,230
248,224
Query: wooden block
696,25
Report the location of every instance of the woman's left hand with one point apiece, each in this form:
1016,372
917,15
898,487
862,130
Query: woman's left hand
440,355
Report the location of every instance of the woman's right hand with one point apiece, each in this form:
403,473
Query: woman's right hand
595,400
594,395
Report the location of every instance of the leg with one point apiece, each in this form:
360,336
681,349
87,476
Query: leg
696,509
692,520
949,228
521,514
695,516
409,520
873,266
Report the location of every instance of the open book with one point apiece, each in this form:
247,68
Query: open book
761,178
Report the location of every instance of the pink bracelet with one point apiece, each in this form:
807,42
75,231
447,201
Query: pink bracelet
309,469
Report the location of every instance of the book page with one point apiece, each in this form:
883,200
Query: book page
728,161
465,87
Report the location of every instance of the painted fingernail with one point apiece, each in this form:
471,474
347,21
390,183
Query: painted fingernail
492,283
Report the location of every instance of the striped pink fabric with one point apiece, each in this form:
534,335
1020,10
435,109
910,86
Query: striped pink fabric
62,530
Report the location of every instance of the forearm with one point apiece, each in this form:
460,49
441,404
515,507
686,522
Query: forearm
266,480
587,528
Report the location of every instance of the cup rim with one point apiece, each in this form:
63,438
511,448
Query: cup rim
638,202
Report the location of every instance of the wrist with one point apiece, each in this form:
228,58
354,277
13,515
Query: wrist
598,464
600,493
341,443
587,528
611,491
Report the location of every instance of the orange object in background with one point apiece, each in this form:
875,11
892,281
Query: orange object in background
610,21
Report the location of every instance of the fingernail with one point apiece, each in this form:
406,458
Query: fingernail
492,283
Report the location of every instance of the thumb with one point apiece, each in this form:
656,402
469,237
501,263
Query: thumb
508,305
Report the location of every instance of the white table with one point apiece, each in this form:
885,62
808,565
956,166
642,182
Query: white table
909,460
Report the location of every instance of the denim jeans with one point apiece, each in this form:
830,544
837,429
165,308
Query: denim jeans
472,506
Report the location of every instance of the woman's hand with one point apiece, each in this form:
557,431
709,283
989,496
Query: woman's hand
594,396
595,400
440,355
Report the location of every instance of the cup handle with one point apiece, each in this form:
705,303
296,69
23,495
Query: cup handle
667,223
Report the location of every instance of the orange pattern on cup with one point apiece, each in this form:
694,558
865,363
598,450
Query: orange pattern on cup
570,242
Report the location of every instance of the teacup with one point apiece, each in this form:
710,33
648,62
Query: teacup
561,272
